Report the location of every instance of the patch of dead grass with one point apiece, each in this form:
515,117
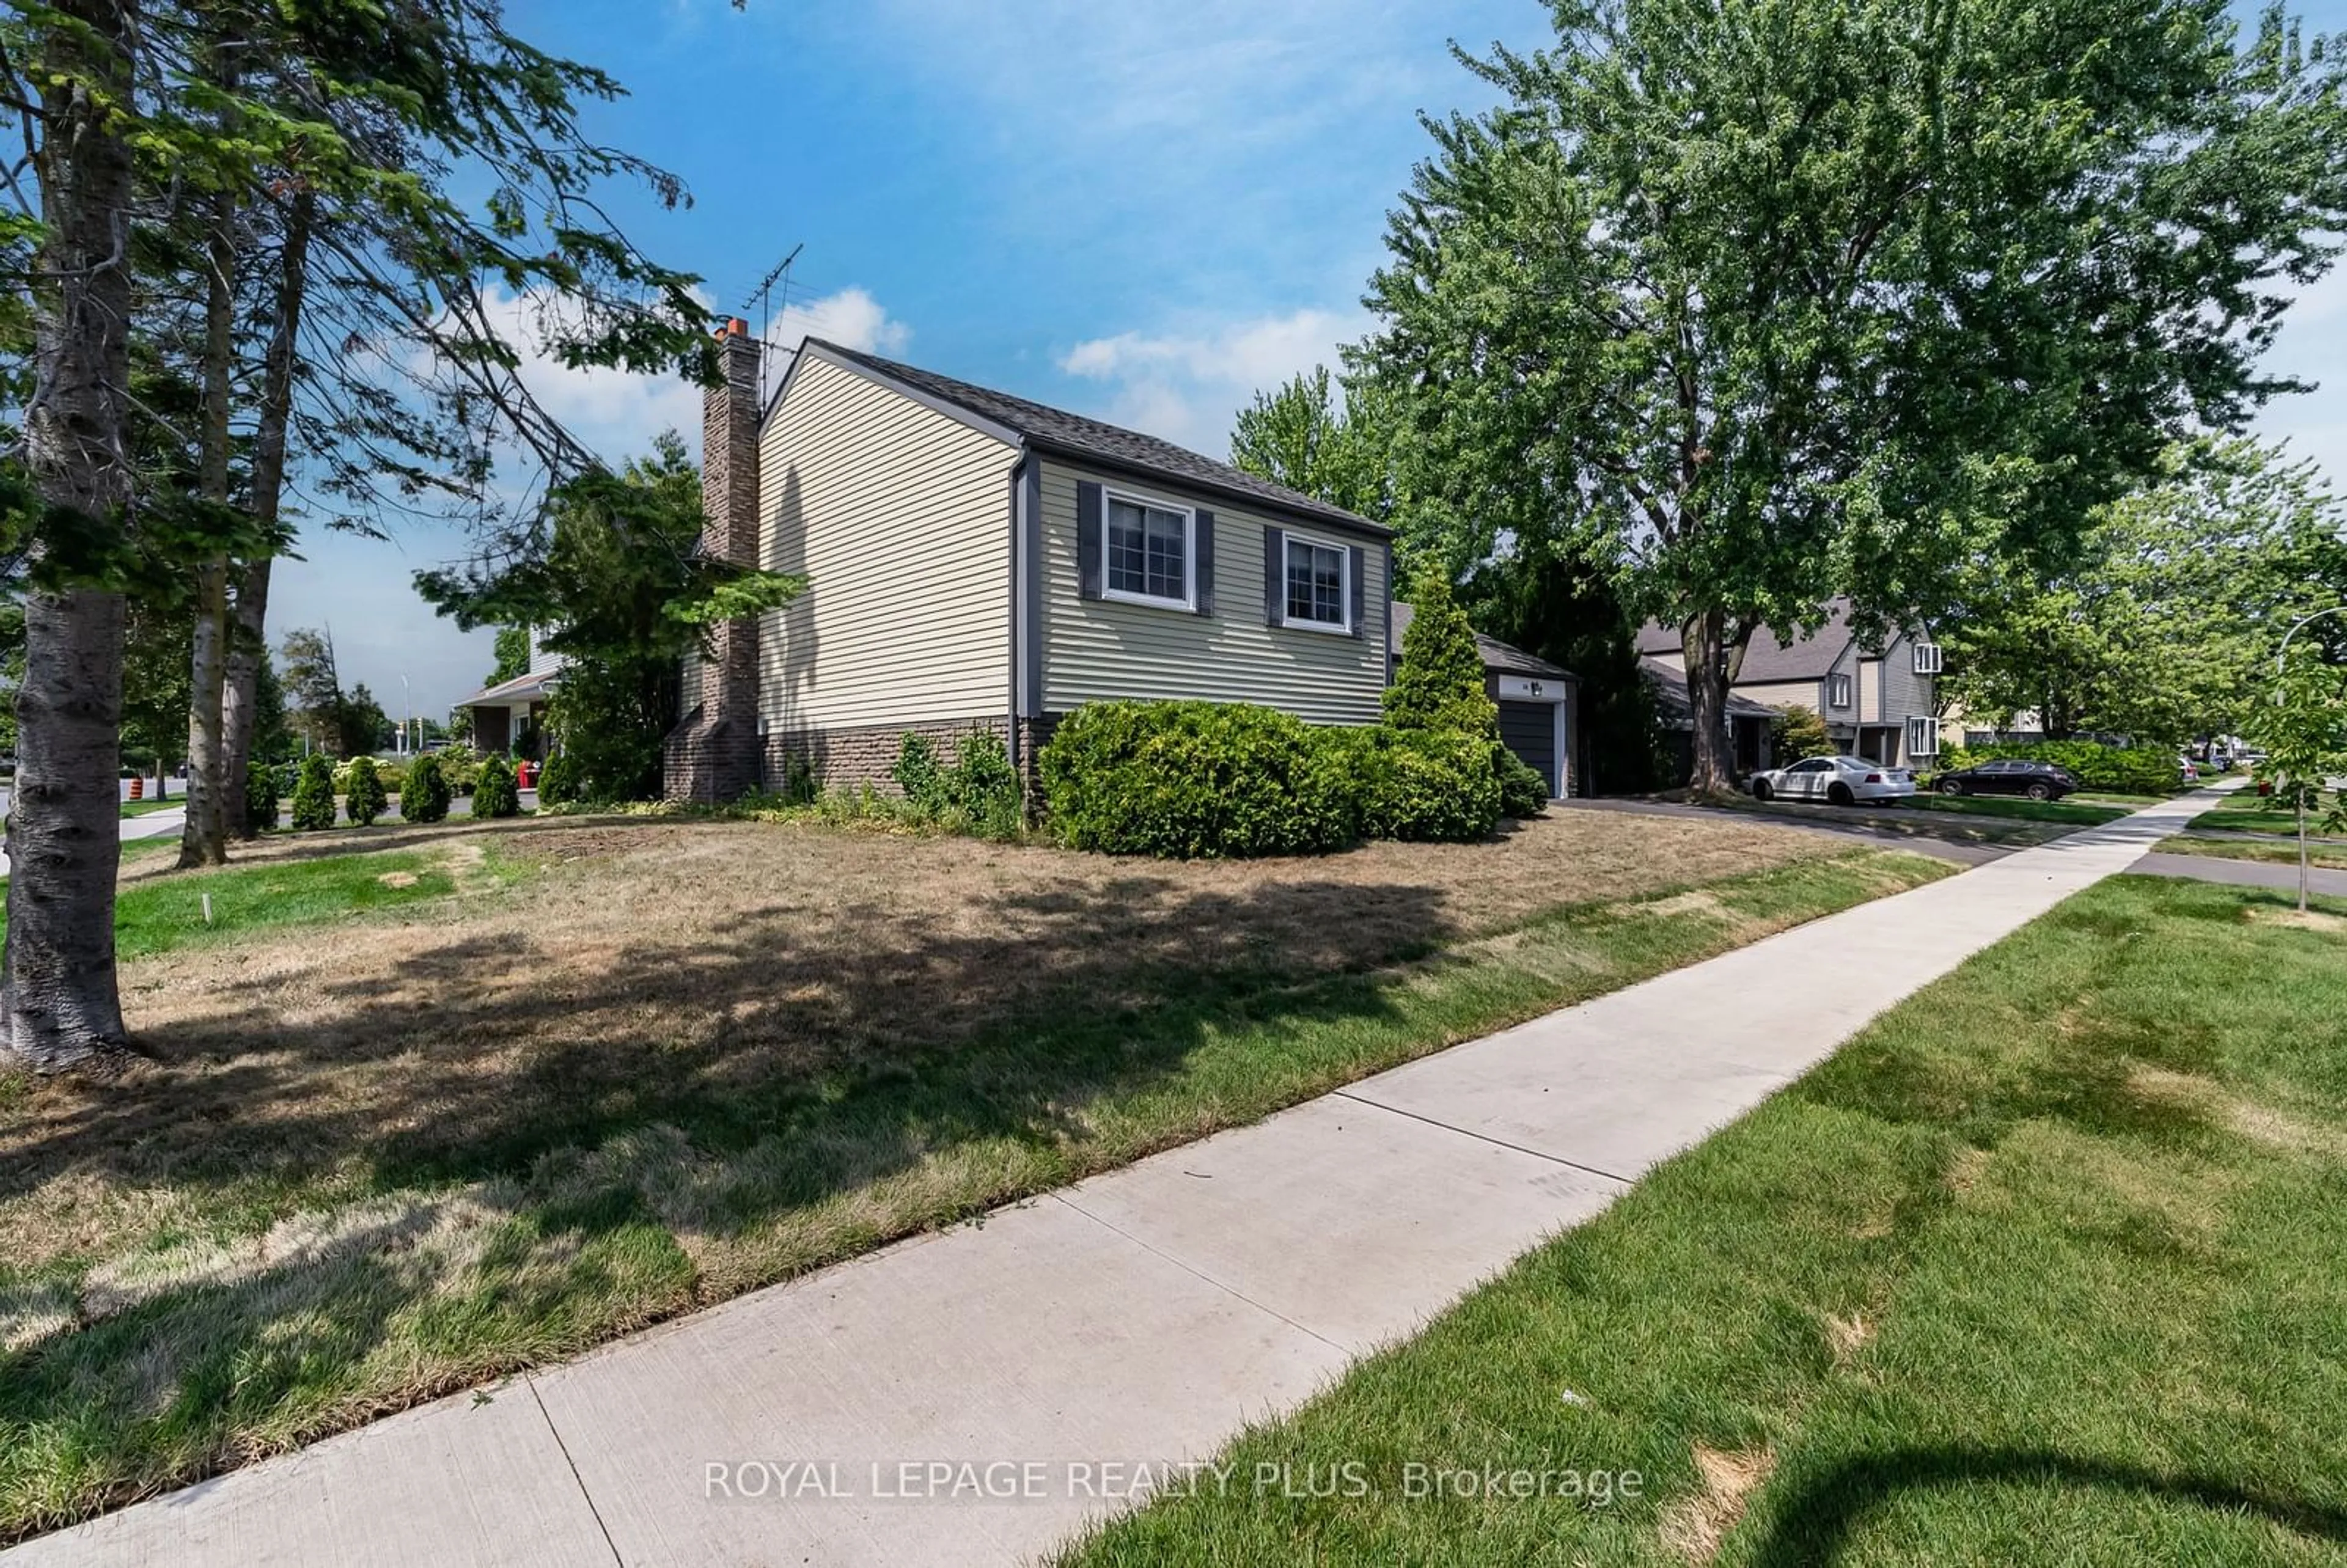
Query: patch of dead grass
1696,1527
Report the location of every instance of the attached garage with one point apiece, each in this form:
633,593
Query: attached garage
1537,705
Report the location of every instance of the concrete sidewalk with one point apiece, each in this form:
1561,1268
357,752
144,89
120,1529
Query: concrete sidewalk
1143,1316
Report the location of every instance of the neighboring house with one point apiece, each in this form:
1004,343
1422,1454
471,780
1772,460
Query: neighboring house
1879,703
1540,706
979,563
1749,722
510,716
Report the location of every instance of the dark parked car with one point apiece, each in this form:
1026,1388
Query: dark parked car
2009,775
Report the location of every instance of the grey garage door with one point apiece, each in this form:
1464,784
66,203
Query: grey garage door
1530,731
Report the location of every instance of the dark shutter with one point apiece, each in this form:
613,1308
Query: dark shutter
1274,577
1356,572
1205,541
1088,538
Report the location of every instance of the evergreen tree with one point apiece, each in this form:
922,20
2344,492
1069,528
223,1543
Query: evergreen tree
314,795
362,797
1438,684
424,796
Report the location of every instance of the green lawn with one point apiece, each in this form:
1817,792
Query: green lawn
2245,811
2045,1267
2073,812
2118,797
2330,856
262,1315
141,808
158,913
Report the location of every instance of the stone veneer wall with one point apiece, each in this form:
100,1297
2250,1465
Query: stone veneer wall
849,758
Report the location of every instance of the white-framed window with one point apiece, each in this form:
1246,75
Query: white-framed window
1927,659
1922,736
1147,551
1319,585
1837,690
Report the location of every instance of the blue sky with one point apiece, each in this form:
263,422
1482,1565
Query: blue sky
1142,209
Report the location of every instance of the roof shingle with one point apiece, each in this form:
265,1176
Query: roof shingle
1074,436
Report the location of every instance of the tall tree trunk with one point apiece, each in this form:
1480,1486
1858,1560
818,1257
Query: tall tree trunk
61,1007
252,613
203,840
1703,643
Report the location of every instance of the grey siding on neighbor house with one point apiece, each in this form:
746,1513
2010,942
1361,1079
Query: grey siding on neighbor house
1846,663
900,518
1099,649
1905,694
1781,693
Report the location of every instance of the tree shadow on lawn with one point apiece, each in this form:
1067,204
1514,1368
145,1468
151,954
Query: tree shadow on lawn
887,1034
1816,1522
491,1156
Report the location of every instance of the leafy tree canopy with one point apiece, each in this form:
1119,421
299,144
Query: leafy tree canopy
623,594
2166,626
1756,301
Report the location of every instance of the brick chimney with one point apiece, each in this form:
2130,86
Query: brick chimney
712,755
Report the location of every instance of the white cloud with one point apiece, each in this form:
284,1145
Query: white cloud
850,318
1186,386
618,414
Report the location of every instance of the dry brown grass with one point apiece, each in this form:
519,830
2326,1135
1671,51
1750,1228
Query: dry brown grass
373,1160
732,952
1696,1526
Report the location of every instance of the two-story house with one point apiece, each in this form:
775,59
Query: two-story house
979,563
1877,701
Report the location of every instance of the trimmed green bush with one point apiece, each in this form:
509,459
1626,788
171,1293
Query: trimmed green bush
313,795
494,792
362,797
1799,733
461,769
558,783
425,798
1428,786
1523,792
1197,780
2126,770
261,797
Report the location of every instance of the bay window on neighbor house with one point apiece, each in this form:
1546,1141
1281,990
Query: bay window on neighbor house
1318,592
1148,554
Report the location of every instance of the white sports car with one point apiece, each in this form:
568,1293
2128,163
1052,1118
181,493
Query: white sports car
1844,781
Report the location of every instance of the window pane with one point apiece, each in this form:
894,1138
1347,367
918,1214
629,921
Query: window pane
1316,583
1299,581
1169,569
1127,554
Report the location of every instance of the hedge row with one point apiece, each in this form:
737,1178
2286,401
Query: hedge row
2127,770
1191,780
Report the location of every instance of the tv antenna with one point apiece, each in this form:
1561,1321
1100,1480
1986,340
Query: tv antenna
764,294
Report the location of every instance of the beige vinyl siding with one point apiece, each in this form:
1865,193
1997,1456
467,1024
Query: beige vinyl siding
1781,693
1102,649
1869,691
900,518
